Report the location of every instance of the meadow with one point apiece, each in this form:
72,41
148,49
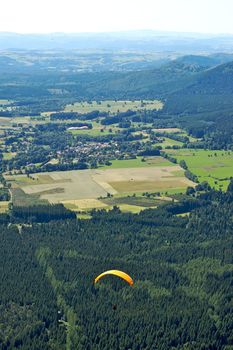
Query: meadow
8,155
97,130
215,167
113,106
168,142
138,163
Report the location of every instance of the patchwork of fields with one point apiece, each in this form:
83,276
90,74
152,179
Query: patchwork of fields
84,189
123,180
149,179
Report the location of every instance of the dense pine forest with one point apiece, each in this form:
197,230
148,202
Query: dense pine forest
182,267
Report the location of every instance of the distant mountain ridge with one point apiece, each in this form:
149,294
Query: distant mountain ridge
150,41
201,62
186,75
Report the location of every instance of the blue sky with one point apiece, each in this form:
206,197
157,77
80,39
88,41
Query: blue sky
41,16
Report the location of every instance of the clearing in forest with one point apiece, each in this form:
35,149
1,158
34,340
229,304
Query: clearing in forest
82,189
113,106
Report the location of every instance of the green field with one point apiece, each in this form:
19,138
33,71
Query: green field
169,142
8,155
7,123
113,106
133,200
97,130
20,198
216,167
137,163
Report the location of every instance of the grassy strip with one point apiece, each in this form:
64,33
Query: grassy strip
73,332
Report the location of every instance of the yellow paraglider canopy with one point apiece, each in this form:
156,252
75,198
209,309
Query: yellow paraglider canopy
118,273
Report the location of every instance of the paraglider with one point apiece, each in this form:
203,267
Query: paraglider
118,273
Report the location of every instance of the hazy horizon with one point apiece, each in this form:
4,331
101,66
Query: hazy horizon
108,16
130,31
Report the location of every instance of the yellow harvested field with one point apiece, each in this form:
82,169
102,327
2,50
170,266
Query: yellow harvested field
84,204
131,208
4,119
135,174
53,161
106,186
147,186
141,179
3,206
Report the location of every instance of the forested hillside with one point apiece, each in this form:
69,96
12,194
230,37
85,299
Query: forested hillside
35,82
182,268
206,106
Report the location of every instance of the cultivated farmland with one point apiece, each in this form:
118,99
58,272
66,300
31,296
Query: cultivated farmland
83,189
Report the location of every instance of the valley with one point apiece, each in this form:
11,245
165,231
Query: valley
116,157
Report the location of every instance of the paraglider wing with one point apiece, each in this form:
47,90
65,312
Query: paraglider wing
118,273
